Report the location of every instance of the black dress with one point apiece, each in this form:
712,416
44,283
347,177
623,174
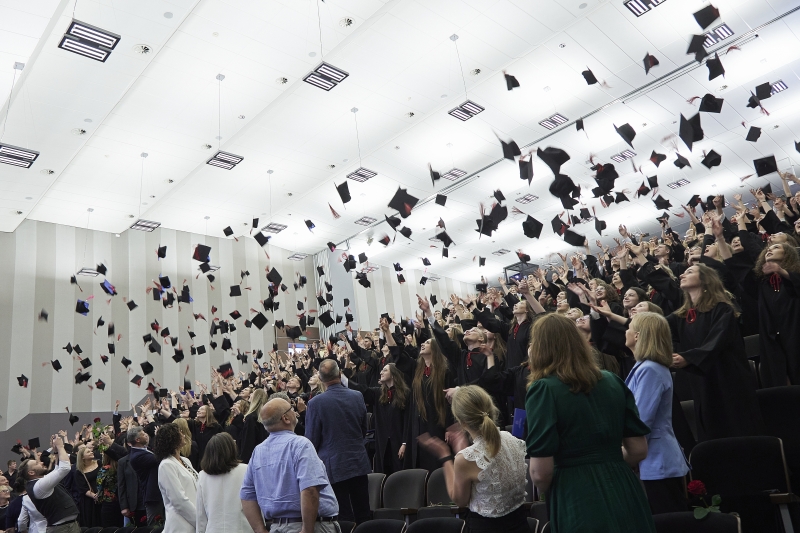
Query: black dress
88,509
416,456
389,421
718,373
202,433
252,435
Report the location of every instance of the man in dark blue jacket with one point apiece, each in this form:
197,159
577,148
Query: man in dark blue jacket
336,423
145,464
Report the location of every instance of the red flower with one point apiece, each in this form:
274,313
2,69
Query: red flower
96,420
696,488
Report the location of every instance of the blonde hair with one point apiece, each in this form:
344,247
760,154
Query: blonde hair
183,425
258,399
655,338
558,348
474,409
79,465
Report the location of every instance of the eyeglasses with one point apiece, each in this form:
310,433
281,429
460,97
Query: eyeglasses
286,411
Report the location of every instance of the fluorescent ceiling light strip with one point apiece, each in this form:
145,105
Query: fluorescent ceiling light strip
21,153
331,72
15,162
472,107
235,159
320,82
558,119
220,164
75,46
95,36
460,114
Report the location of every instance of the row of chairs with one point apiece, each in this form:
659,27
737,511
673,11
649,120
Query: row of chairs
423,525
128,529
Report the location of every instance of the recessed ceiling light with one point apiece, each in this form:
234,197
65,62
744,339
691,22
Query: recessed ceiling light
723,87
87,120
282,81
206,147
410,114
312,54
144,203
142,49
47,171
116,235
776,126
362,174
546,89
396,147
241,117
346,22
29,197
289,194
562,45
528,198
331,166
167,15
475,71
501,251
215,34
582,6
553,121
206,217
274,227
78,131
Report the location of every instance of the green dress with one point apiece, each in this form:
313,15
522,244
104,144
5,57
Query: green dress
593,488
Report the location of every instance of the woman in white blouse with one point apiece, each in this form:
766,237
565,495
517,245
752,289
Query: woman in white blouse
489,476
219,509
177,481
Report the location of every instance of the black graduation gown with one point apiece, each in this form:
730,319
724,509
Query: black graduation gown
202,434
718,373
517,348
469,365
389,422
417,457
779,321
251,436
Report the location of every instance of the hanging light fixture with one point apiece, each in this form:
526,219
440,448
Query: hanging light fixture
468,109
325,76
222,159
361,174
14,155
141,224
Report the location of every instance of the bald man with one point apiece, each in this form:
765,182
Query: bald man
286,481
336,423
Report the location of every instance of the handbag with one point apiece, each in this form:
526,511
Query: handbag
90,486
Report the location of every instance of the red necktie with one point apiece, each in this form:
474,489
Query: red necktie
469,359
389,394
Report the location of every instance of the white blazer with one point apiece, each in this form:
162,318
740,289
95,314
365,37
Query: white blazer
179,489
219,509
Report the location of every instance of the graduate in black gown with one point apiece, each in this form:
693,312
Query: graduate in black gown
428,410
774,280
710,355
388,403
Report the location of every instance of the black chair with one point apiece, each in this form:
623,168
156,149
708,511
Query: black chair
94,530
750,475
158,529
546,528
437,525
752,346
540,512
110,529
403,494
375,481
780,410
533,524
346,527
145,529
687,406
381,526
437,489
127,529
687,523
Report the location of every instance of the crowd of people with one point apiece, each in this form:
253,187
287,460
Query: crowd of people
585,365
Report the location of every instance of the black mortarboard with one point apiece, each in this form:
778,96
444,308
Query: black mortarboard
711,104
445,238
642,190
101,268
226,344
261,239
627,133
279,324
796,147
204,267
690,130
202,253
68,348
125,361
131,305
434,174
177,356
589,76
320,300
481,287
425,261
599,225
558,225
274,277
23,381
226,370
385,240
284,288
511,81
694,201
753,134
320,271
73,419
697,47
347,301
397,267
441,199
56,364
764,91
164,282
608,199
82,307
562,186
553,158
82,377
228,231
260,320
147,368
706,16
77,349
147,337
681,161
310,225
403,202
482,260
423,280
621,198
573,238
405,232
649,62
331,246
579,124
108,288
34,443
329,288
657,158
510,149
575,220
715,68
326,319
234,315
338,319
362,258
201,349
401,278
525,258
86,362
585,214
348,317
445,252
664,217
532,229
661,202
765,165
652,181
43,315
362,280
100,384
154,347
236,290
344,192
526,170
498,194
294,332
712,159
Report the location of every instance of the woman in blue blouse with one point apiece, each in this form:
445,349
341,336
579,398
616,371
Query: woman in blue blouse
663,471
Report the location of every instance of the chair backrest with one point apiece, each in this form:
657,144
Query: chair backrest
752,346
539,512
437,489
94,530
110,529
435,511
545,528
381,526
687,523
754,372
405,489
127,529
740,466
375,483
346,527
436,525
533,525
780,410
687,406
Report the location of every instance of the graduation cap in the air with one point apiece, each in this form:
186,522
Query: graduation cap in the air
56,364
694,201
642,190
131,305
690,131
627,133
712,159
68,348
100,384
234,315
108,288
661,202
526,170
796,147
589,76
202,253
435,176
423,280
511,81
510,149
711,104
765,165
697,47
445,252
706,16
86,362
261,239
259,321
405,232
764,91
23,381
326,319
154,347
649,62
82,307
482,260
403,202
310,225
344,192
681,161
599,225
34,443
620,198
657,158
445,238
226,344
441,199
652,181
338,319
236,290
753,134
178,355
573,238
228,231
558,225
562,188
43,315
663,218
715,68
73,419
348,317
425,261
274,277
553,158
82,377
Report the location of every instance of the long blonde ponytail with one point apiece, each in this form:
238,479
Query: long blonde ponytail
474,409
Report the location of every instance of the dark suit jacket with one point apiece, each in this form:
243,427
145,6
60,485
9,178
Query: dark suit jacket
128,486
145,464
336,423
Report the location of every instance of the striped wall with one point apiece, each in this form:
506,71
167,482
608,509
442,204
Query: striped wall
36,262
386,295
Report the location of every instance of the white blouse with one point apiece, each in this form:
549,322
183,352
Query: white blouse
219,509
178,484
501,484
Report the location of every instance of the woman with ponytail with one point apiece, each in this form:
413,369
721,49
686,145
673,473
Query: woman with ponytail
489,476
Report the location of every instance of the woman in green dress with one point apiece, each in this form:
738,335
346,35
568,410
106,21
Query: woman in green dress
584,436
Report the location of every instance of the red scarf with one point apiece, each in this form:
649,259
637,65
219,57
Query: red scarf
202,427
390,393
775,280
652,293
469,359
691,316
427,371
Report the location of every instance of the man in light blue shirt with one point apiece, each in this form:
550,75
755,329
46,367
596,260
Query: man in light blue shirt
285,481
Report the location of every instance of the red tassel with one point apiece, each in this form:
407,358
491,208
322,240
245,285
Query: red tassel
775,281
